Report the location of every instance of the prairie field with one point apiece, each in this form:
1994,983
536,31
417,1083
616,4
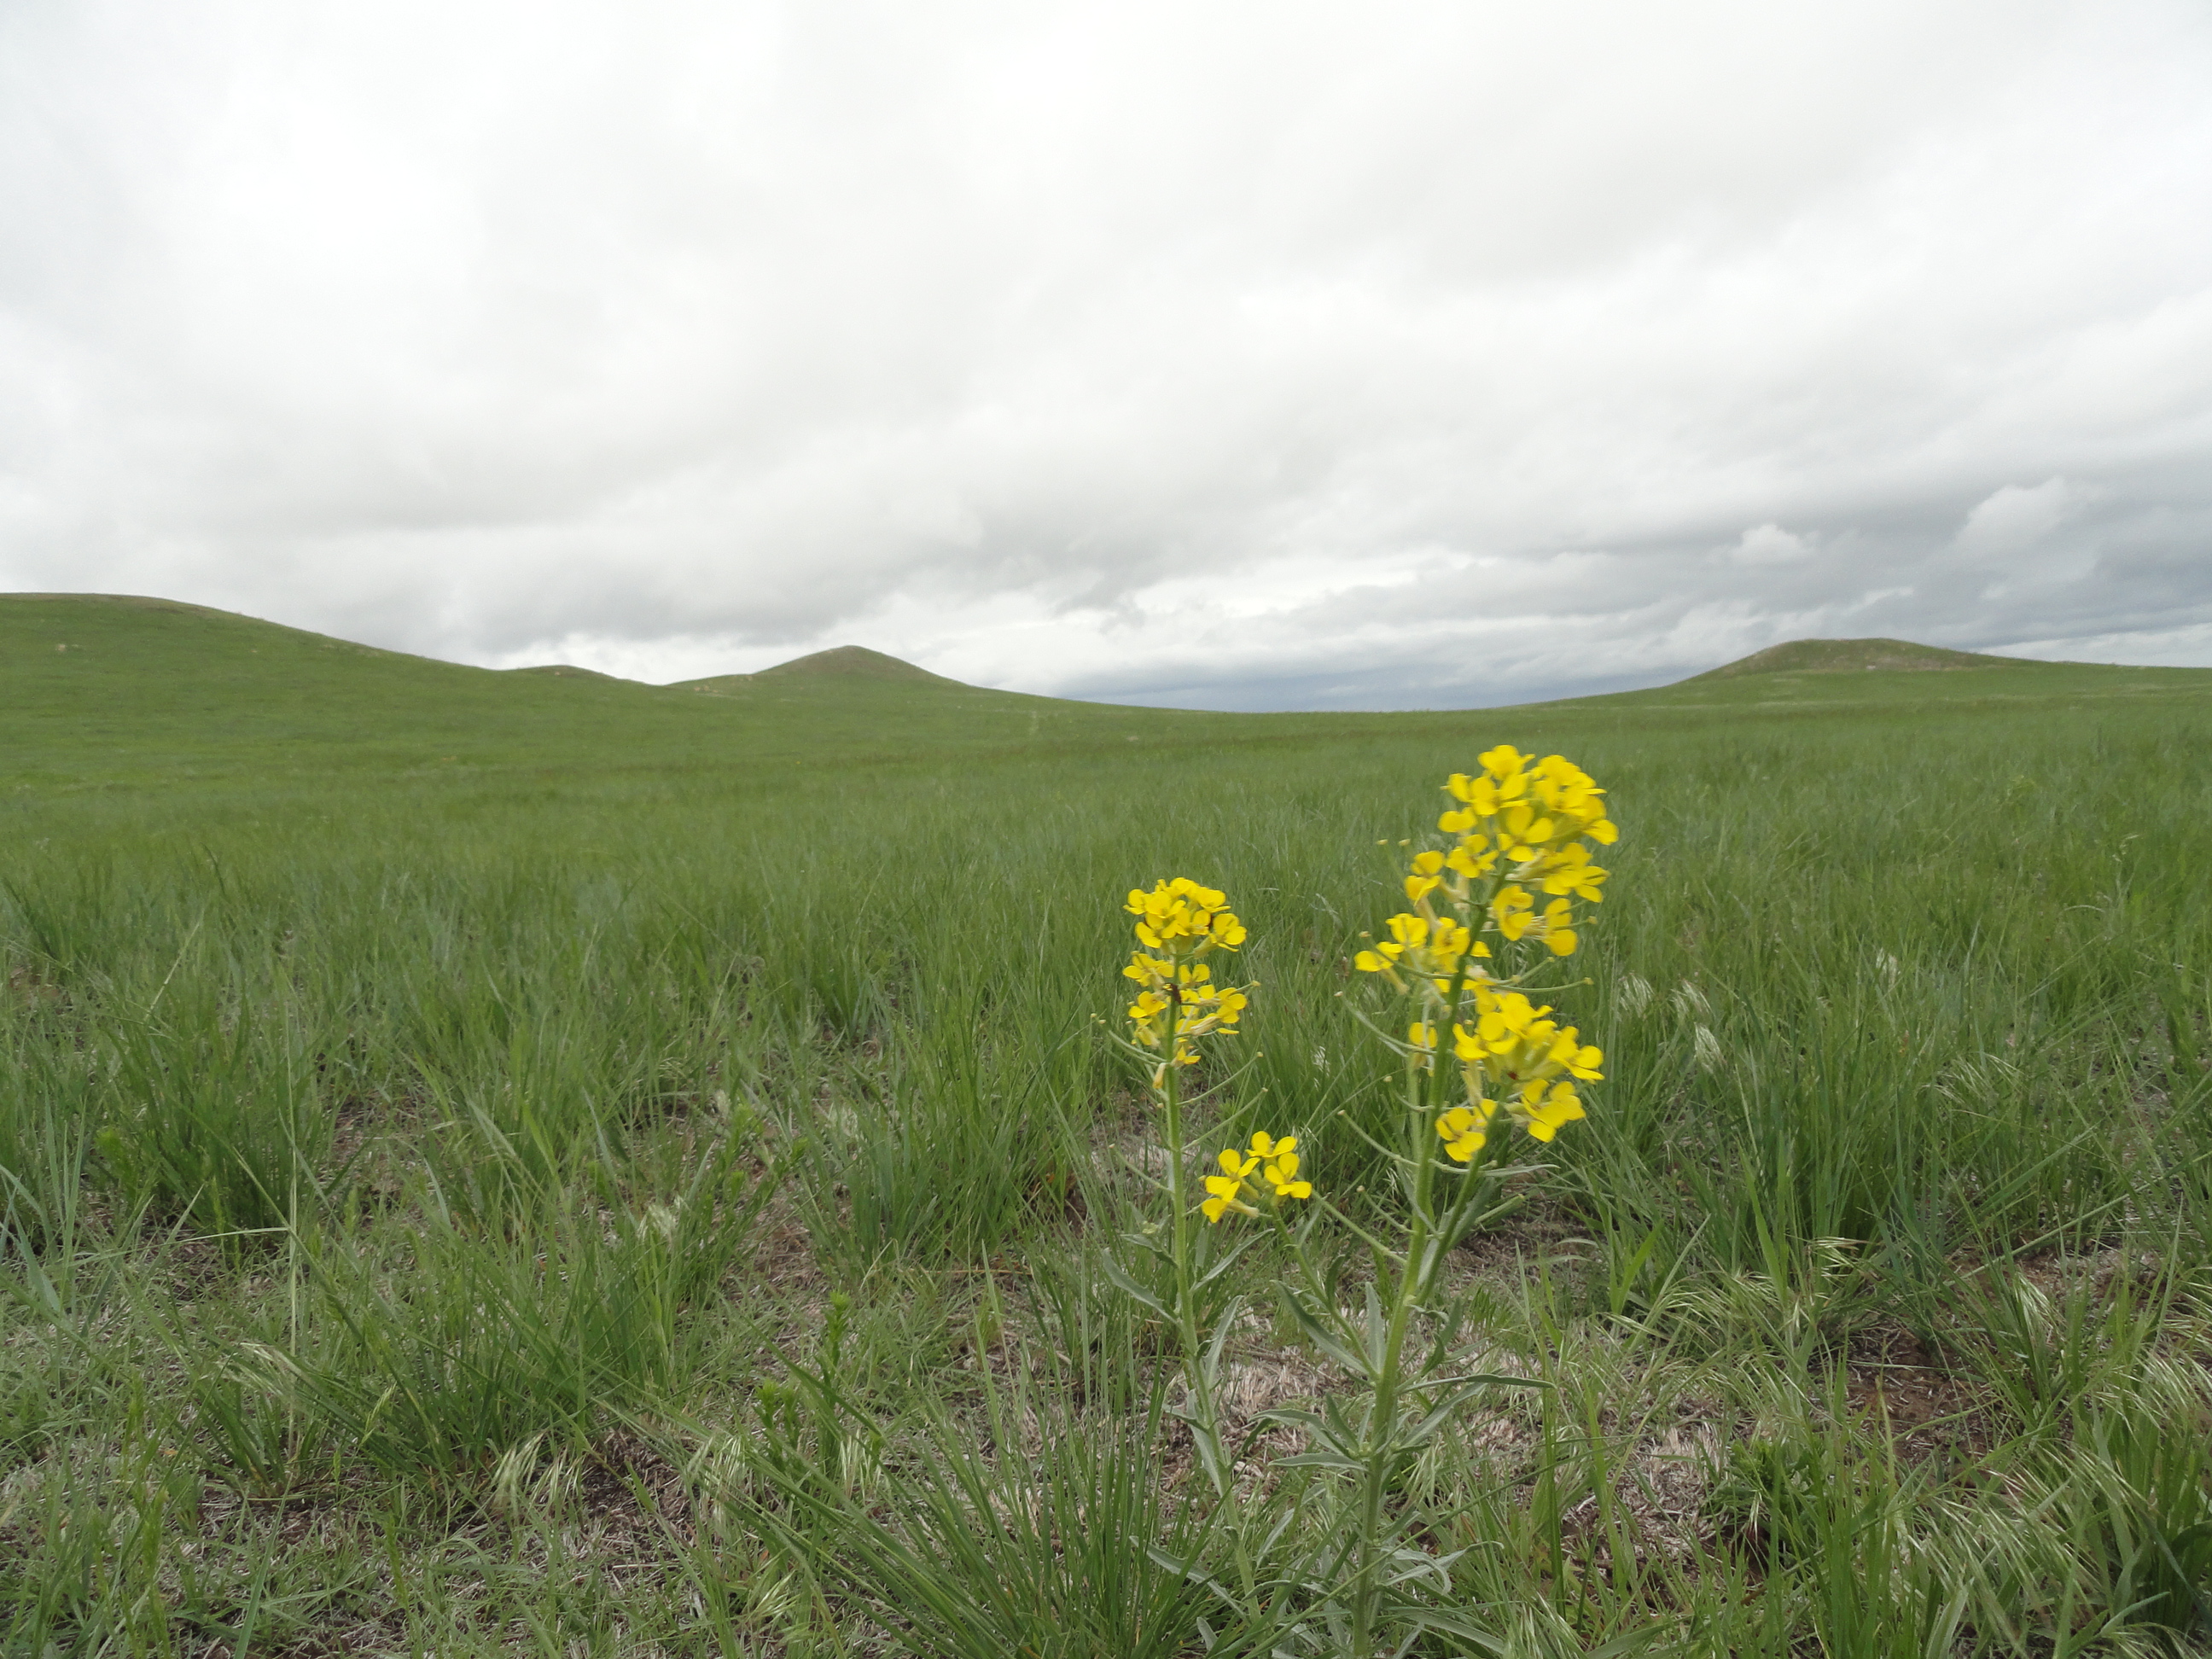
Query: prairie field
532,1163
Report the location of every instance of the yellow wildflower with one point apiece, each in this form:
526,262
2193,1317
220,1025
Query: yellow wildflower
1473,857
1425,880
1543,1115
1429,948
1183,918
1525,1057
1277,1163
1461,1129
1512,912
1182,1002
1178,1001
1280,1171
1227,1195
1517,863
1569,870
1533,817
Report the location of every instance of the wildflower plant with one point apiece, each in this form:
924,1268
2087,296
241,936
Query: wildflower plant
1178,1005
1501,901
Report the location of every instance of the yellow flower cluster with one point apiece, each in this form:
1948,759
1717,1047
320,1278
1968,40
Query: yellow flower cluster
1528,1058
1184,919
1520,829
1513,1049
1177,1000
1187,990
1274,1162
1518,862
1433,947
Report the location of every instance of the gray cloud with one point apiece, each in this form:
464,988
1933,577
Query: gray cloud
1394,354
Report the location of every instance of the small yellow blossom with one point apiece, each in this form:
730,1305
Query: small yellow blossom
1280,1171
1569,870
1233,1189
1512,912
1543,1115
1515,914
1431,948
1473,857
1424,879
1228,1195
1461,1129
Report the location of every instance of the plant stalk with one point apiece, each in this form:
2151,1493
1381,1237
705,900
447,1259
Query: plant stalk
1383,1420
1206,1420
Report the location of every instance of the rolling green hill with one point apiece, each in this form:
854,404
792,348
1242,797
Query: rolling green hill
98,688
1806,675
842,661
1853,656
95,687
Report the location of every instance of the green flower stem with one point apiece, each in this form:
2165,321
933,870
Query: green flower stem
1381,1422
1207,1419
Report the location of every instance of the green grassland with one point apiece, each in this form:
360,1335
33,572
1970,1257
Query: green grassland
529,1162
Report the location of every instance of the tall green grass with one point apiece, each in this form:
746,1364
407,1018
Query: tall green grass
381,1147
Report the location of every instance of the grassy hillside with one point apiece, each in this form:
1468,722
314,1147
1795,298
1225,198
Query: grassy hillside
848,661
98,688
659,1179
1853,657
1808,675
108,688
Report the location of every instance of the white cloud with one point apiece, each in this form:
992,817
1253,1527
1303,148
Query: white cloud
1403,353
1770,544
2012,519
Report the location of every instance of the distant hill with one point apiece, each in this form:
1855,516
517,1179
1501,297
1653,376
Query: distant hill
1851,656
130,615
136,636
566,670
839,662
100,686
97,686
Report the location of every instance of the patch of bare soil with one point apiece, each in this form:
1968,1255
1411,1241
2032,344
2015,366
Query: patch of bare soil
1901,1391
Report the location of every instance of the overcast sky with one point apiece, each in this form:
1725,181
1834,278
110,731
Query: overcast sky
1240,356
